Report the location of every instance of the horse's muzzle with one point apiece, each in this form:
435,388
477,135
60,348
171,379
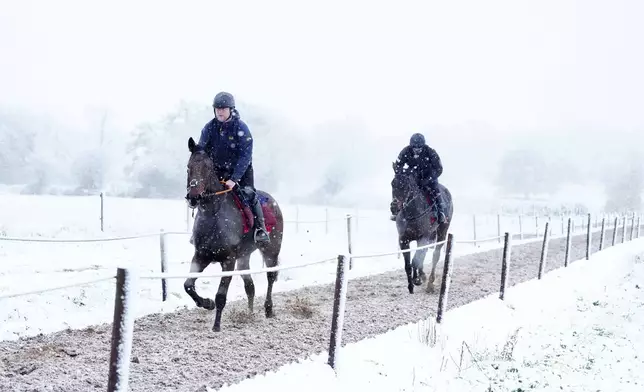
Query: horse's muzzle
193,200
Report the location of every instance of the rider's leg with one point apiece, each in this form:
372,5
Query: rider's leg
438,200
247,186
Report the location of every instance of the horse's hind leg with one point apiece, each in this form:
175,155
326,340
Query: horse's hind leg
271,260
244,264
197,265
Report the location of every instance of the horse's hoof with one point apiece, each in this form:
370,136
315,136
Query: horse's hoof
270,313
208,304
430,289
216,328
411,289
417,282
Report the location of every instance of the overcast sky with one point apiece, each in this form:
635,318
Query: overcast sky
398,65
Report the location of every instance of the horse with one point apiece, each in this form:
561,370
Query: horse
415,222
223,233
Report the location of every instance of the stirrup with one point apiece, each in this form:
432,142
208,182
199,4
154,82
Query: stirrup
261,235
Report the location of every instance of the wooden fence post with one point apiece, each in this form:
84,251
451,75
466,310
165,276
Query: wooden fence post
544,251
447,277
122,330
505,265
568,243
337,320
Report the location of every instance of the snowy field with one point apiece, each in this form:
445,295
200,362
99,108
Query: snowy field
320,233
578,329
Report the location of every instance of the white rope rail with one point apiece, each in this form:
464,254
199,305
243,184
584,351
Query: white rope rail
481,240
81,240
166,275
367,256
76,284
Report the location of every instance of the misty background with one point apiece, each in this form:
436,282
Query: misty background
527,103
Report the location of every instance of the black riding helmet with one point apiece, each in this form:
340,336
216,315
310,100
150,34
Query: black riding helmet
224,100
417,140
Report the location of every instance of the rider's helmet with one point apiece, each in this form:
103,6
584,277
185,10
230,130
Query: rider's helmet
417,140
224,100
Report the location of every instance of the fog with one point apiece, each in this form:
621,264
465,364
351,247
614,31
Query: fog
540,101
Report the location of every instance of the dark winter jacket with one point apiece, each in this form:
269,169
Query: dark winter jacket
229,144
426,165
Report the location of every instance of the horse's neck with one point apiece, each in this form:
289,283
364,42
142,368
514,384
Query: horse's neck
416,204
218,207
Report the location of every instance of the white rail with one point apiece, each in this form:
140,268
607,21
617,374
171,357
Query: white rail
81,240
167,275
367,256
66,286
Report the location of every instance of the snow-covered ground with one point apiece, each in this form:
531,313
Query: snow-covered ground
580,328
27,266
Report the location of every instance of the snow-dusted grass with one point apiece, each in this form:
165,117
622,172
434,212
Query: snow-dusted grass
578,329
31,265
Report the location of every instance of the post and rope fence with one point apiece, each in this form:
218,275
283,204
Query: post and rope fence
127,281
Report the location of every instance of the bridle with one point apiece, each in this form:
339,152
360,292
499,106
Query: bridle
204,194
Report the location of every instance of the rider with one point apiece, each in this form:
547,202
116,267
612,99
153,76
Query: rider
424,162
229,143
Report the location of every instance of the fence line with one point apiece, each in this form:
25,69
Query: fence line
67,286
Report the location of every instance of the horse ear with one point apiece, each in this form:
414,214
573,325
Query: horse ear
191,144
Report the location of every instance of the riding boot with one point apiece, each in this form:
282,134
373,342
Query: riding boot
261,234
440,208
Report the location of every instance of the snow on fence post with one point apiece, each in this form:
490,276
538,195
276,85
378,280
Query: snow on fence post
297,218
603,234
536,226
337,320
122,330
520,226
638,226
624,230
588,236
474,228
102,212
544,251
505,265
615,230
326,220
447,277
568,243
632,227
498,226
349,241
164,266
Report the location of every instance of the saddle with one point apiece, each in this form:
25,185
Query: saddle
249,219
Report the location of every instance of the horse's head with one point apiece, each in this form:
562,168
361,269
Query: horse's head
403,185
202,178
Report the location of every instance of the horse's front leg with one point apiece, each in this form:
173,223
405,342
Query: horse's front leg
419,260
220,298
198,264
404,245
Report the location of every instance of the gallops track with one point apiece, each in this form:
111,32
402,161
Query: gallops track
178,351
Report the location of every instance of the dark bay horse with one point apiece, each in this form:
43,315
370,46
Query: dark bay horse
416,221
221,234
